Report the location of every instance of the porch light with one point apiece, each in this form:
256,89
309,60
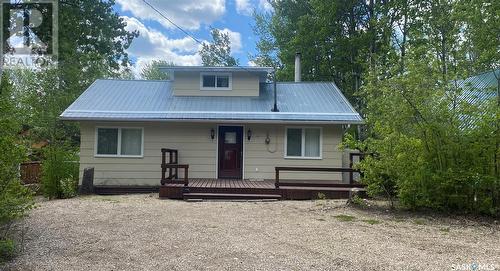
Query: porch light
249,134
212,133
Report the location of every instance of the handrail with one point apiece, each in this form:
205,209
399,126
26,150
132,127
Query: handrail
172,166
328,169
185,180
173,158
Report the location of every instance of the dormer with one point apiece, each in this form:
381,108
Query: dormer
217,81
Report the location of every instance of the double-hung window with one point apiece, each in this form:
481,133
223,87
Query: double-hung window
216,81
303,143
124,142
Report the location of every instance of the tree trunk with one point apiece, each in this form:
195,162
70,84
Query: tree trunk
405,34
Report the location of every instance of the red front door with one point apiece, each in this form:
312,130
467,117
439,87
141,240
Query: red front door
230,152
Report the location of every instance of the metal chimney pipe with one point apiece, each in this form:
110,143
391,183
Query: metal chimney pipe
275,106
297,67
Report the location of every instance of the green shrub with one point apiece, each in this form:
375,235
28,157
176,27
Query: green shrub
69,187
15,199
426,152
358,201
59,173
7,250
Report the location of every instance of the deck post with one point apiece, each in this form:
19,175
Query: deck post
163,169
176,162
186,178
170,162
351,164
277,180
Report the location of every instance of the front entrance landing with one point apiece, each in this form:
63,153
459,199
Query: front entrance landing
206,188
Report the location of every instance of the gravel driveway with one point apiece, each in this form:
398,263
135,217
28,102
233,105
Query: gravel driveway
141,232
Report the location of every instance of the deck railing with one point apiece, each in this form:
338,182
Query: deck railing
322,169
173,167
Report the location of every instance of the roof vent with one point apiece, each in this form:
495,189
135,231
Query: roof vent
297,67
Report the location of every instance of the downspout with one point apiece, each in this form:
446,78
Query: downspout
275,107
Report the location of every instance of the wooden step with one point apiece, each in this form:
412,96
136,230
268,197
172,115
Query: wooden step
322,188
192,196
124,189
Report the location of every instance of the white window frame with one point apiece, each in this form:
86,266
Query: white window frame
229,75
119,147
303,145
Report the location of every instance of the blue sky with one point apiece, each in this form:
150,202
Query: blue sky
159,39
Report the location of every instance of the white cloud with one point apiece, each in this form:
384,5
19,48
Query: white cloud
189,14
246,7
251,63
152,44
264,5
140,64
243,7
234,38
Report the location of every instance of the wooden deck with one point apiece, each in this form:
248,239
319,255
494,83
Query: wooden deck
228,183
175,186
207,188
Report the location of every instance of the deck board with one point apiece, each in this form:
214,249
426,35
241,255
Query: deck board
230,183
289,189
261,184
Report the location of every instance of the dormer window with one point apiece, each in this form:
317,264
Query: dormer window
216,81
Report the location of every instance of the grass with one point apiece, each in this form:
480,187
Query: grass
345,218
371,221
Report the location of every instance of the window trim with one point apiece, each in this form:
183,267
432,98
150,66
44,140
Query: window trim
303,145
228,74
119,147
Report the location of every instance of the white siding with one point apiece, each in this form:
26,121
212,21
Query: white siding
197,149
260,159
188,84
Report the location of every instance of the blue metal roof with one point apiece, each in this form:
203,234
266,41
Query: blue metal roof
479,88
141,100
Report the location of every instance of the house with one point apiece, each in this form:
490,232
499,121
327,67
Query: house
479,88
223,122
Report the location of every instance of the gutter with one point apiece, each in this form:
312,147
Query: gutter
214,120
